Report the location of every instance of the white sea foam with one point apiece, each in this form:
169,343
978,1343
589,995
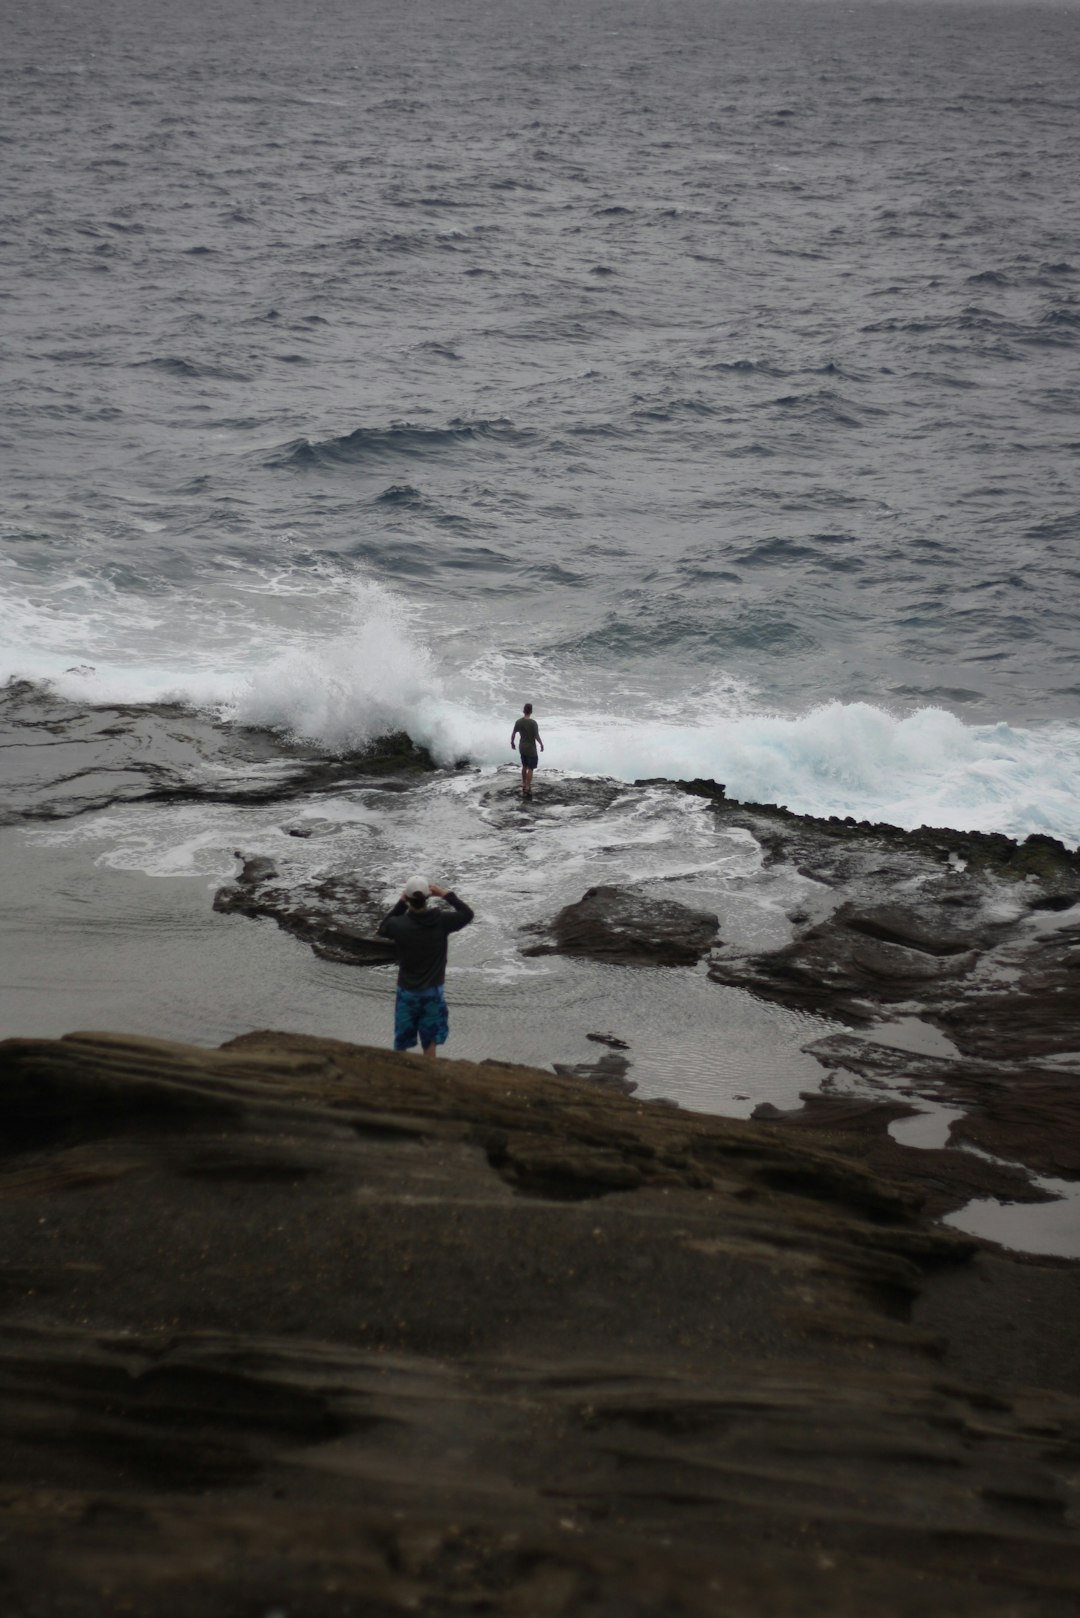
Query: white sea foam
928,767
353,665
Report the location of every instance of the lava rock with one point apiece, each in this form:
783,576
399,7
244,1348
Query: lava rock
609,1070
619,926
1021,1113
293,1325
860,959
336,915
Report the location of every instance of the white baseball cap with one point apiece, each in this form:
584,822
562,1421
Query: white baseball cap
417,887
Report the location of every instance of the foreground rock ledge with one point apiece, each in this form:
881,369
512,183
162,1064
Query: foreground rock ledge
302,1326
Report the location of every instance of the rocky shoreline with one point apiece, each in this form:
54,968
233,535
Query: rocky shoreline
309,1328
974,935
305,1327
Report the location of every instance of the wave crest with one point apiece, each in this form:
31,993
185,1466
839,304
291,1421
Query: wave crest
400,440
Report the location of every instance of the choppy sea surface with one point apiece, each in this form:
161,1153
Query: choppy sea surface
705,373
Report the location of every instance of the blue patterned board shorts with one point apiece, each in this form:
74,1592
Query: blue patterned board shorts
420,1012
529,761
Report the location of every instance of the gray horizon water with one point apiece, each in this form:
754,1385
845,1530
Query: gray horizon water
727,342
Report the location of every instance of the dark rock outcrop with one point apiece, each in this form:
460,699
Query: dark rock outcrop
609,1070
841,843
938,918
946,1179
1034,1011
1020,1113
699,787
336,915
618,925
867,956
95,755
296,1326
973,934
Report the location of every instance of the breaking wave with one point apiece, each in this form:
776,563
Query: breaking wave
360,667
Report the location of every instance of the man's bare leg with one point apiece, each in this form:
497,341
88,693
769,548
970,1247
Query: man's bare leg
431,1050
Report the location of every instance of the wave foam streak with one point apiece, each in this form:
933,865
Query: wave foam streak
345,662
854,759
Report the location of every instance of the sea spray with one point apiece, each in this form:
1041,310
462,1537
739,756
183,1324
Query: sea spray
928,767
347,660
344,691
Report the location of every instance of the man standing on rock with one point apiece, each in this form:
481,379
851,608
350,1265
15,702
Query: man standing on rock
421,937
529,731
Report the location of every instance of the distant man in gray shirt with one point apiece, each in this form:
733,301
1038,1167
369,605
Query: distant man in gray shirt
529,731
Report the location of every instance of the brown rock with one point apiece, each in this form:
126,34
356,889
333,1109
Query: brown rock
1025,1114
1038,1015
336,915
303,1326
946,1178
616,925
863,957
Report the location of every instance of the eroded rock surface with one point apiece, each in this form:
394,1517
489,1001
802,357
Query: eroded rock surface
867,956
336,915
974,934
95,755
304,1327
1034,1011
621,926
609,1070
945,1178
837,848
1021,1113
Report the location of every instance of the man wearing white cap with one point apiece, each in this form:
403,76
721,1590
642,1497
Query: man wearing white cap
420,935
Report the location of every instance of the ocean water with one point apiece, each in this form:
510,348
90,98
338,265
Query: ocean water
705,373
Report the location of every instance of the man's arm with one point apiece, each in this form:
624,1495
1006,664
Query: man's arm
384,927
513,733
538,738
462,913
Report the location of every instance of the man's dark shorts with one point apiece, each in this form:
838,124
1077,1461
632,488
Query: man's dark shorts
529,761
420,1013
